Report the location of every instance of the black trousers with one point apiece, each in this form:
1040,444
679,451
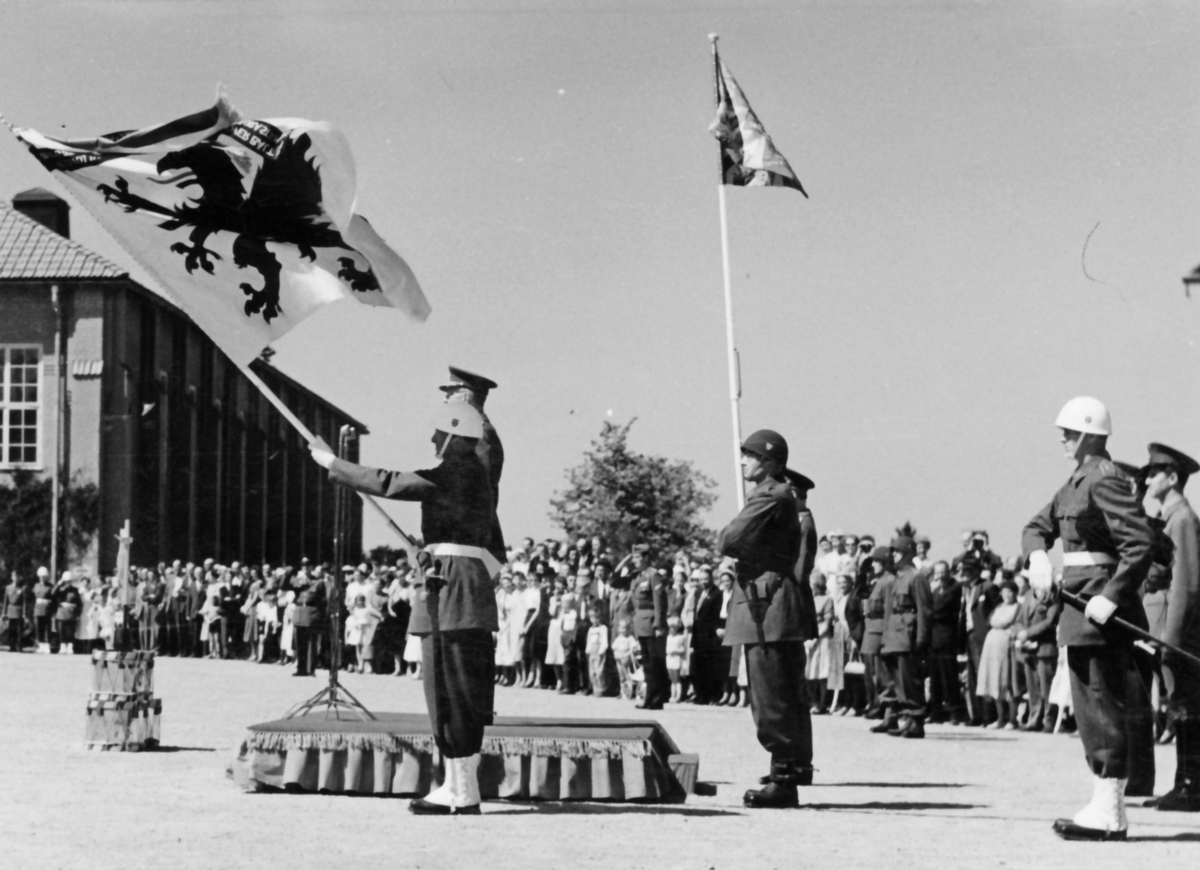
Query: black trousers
1039,675
654,668
905,672
16,625
460,688
779,704
43,628
708,669
1099,685
945,692
304,638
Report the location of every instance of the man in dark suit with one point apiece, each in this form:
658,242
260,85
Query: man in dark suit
706,640
650,627
979,598
945,693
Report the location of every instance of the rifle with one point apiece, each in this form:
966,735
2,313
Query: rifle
1080,604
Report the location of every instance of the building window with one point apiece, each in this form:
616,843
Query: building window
20,407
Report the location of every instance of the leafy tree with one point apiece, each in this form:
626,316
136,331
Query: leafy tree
627,497
25,522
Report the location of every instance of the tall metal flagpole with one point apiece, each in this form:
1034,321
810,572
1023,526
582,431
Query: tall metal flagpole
735,381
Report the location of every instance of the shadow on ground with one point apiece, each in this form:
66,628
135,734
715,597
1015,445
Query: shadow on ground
893,785
893,806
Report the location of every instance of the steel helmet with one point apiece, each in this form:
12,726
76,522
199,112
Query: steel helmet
459,419
1085,414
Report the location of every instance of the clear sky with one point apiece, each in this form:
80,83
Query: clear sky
1004,198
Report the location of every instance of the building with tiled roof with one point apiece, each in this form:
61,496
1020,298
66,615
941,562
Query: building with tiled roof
109,383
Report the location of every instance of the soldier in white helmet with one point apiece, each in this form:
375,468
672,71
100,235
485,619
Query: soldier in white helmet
1108,547
458,523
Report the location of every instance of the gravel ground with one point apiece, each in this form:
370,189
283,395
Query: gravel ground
961,797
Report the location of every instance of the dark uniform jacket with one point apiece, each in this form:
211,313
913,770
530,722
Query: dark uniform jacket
945,605
1096,512
906,609
649,603
874,613
765,538
309,604
457,507
803,571
15,601
41,599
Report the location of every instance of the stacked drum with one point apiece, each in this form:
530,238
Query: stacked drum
122,712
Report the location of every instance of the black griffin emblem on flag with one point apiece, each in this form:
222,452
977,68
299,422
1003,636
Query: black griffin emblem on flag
283,206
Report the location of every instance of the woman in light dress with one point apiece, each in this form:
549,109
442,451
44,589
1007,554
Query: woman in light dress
555,655
816,671
995,662
840,644
504,658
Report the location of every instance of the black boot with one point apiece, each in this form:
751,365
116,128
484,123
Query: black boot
779,793
1185,796
888,723
908,726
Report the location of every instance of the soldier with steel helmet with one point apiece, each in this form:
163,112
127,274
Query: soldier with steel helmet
767,615
1107,550
457,521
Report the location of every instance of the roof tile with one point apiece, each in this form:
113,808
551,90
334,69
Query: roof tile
29,250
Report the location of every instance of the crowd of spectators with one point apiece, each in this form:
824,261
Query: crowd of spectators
568,623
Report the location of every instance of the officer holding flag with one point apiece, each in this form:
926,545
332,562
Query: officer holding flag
455,612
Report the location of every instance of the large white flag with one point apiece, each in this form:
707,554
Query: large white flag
249,226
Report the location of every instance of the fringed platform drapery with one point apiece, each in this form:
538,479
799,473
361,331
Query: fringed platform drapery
523,758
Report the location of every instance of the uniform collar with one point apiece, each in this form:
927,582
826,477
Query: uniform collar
1174,505
1088,462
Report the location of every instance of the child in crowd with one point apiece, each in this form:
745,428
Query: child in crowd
676,650
210,614
360,632
624,648
597,648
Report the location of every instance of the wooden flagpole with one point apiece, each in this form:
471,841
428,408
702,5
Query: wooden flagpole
310,438
735,381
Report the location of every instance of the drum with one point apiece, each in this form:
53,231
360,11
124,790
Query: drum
123,672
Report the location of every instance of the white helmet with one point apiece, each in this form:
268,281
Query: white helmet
1085,414
459,418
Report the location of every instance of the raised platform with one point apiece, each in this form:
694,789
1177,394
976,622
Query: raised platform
523,758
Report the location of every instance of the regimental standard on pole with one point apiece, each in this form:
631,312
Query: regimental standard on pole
735,382
335,697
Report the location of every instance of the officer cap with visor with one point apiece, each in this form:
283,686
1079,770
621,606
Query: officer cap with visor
1162,456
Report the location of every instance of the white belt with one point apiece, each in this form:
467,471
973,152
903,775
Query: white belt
1075,560
490,562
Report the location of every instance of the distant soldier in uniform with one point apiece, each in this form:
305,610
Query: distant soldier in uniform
307,609
906,631
880,691
1107,549
42,614
16,598
458,518
1166,475
649,599
767,615
473,389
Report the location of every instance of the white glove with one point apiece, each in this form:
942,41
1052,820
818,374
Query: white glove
1099,609
1145,647
1041,572
323,458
